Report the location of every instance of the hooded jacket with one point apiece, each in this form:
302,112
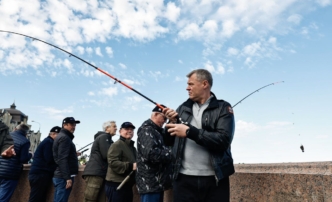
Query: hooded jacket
64,153
97,164
216,136
153,159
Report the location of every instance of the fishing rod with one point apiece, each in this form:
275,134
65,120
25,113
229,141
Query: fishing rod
257,91
86,62
85,146
112,77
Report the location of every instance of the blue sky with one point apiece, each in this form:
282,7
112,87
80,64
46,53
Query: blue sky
152,44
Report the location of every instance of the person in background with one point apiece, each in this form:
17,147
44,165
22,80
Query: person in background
6,142
11,168
95,171
153,159
42,168
65,156
121,158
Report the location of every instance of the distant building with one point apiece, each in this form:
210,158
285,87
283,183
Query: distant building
13,117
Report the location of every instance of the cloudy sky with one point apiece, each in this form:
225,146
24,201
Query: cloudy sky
152,44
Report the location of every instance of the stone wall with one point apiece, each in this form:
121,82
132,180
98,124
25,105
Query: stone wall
311,182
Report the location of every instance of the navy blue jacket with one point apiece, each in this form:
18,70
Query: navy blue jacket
43,161
11,168
64,153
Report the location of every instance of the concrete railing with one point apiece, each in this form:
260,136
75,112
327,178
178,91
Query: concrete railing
252,182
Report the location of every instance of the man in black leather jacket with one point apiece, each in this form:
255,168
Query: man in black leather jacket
201,143
65,156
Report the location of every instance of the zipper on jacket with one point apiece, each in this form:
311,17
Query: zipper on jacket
213,165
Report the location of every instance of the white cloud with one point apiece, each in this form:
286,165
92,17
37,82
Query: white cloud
110,91
98,52
180,61
324,2
295,18
90,93
56,113
109,51
243,127
89,50
220,69
172,12
123,66
80,50
232,51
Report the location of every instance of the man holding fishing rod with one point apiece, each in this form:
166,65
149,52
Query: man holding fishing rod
201,143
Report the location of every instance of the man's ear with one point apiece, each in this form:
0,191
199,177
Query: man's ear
205,83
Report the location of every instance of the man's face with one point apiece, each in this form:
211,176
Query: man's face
127,133
111,129
70,126
53,135
195,88
160,119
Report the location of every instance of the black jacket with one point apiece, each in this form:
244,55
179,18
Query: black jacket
11,168
43,161
153,159
97,164
216,136
64,153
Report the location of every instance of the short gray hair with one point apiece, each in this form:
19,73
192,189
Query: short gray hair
202,74
106,124
23,127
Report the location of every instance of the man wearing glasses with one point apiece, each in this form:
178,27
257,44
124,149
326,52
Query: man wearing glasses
153,159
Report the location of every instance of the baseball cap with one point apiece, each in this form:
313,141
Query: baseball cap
70,120
127,125
55,129
157,109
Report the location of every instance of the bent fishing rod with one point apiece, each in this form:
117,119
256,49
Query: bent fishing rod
114,78
256,92
86,62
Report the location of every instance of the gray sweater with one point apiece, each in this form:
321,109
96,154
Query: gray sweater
196,160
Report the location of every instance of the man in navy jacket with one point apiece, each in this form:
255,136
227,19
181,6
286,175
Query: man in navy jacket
42,168
11,168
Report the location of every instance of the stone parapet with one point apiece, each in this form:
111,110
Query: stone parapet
252,182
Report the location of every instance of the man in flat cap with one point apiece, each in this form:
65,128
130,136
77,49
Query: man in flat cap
65,156
121,158
42,168
153,158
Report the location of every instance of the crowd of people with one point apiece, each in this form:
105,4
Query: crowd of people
187,149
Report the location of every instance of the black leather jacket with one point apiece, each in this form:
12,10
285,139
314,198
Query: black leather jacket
216,136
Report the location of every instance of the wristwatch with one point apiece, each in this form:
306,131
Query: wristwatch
187,131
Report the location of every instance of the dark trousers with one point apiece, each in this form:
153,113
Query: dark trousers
39,186
152,197
7,188
188,188
125,194
61,194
